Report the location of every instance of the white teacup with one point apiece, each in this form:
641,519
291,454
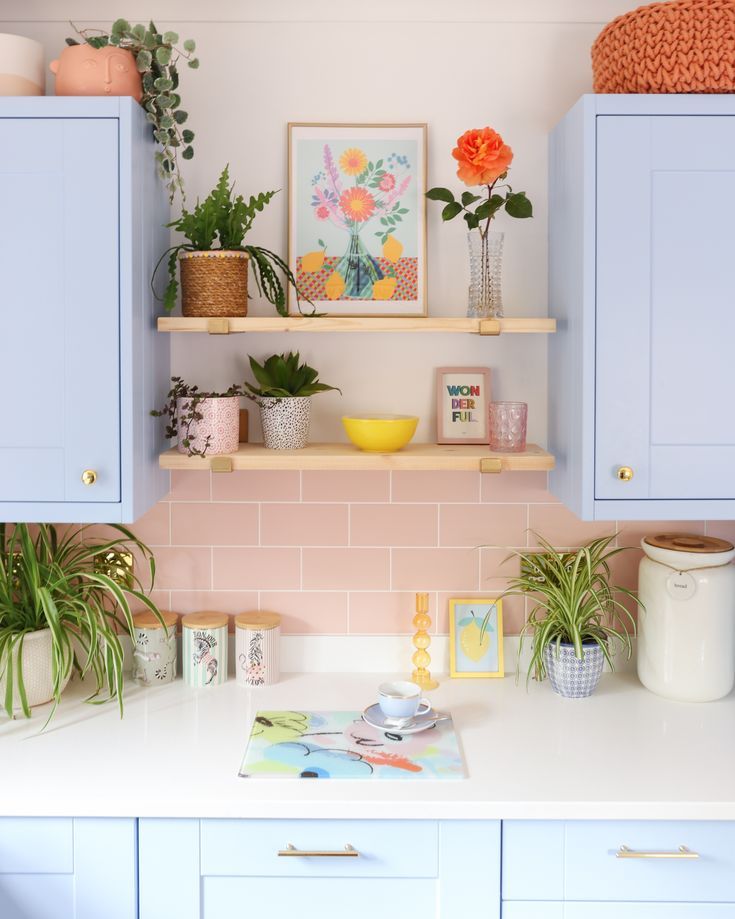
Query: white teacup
401,701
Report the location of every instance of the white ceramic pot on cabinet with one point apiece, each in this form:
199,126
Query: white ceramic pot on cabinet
686,624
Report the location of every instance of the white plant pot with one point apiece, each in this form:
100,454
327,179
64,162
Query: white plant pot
285,422
37,671
220,423
21,66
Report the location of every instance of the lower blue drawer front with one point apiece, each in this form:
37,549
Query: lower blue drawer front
546,910
577,861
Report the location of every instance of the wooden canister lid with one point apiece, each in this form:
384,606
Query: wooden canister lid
206,619
687,542
257,619
145,619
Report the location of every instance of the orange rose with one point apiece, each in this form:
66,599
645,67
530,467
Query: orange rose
482,156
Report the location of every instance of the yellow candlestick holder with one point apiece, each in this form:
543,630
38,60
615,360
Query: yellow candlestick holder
421,641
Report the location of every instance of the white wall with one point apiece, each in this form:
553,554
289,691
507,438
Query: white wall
517,65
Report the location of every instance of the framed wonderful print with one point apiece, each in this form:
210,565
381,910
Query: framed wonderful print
357,218
476,638
462,400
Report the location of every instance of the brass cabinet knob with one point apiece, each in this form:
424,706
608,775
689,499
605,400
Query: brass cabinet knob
625,473
89,477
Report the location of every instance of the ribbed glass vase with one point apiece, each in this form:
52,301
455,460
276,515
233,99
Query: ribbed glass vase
486,264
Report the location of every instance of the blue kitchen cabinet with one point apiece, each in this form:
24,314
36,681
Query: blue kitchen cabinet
64,868
215,869
641,276
83,215
572,869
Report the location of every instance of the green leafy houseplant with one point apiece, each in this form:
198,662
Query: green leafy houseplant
221,222
181,415
63,583
157,56
282,376
573,601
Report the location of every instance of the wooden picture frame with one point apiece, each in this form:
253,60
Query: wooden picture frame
467,658
462,400
357,218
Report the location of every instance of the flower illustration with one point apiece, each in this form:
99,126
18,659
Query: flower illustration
322,212
357,204
353,161
388,182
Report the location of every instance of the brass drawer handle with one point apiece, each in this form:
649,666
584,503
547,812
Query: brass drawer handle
292,852
681,852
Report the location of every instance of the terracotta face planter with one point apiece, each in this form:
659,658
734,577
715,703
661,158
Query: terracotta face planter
82,70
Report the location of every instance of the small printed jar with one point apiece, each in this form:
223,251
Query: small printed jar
204,648
154,655
258,636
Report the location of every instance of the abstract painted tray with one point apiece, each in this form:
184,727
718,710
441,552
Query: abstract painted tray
340,745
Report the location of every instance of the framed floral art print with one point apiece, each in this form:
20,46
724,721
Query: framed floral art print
357,219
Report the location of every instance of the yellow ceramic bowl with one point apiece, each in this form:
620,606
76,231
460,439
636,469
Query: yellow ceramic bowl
380,433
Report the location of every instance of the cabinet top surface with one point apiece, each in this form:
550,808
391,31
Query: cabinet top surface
622,754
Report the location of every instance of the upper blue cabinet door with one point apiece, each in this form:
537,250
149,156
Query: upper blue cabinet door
642,281
83,216
59,349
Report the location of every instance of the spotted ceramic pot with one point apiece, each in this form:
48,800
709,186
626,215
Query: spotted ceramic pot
285,422
571,677
220,422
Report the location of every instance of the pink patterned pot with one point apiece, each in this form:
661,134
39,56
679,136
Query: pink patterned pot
220,422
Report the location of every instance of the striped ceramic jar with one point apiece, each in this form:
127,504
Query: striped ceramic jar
204,649
258,636
154,654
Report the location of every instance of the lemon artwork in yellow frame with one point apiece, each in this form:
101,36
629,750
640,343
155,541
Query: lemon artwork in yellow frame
476,638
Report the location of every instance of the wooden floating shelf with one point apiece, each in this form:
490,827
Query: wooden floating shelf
226,326
417,456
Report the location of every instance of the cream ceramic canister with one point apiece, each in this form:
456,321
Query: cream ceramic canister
154,655
204,648
21,66
257,646
82,70
218,429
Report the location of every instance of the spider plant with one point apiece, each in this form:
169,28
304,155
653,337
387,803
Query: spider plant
574,601
63,583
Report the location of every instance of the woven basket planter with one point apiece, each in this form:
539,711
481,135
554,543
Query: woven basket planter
686,46
37,670
214,283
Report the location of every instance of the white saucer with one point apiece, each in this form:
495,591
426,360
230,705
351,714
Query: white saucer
373,715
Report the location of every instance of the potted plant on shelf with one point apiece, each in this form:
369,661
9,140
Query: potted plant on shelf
483,158
283,395
60,610
135,61
204,422
576,618
214,261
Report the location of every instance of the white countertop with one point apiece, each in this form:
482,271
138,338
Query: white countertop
622,754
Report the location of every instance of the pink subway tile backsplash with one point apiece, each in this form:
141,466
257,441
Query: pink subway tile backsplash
345,486
393,524
343,552
346,569
257,569
436,487
386,613
307,612
214,524
303,524
483,524
183,568
256,485
435,569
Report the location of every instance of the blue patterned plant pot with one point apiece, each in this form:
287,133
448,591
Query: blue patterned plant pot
571,677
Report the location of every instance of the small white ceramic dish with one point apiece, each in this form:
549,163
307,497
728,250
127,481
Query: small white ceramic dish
373,715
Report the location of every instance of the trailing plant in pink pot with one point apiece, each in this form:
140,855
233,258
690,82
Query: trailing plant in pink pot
204,423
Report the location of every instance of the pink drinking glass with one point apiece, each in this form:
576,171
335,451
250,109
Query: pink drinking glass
507,425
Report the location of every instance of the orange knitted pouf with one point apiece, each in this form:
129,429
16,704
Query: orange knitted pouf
686,46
